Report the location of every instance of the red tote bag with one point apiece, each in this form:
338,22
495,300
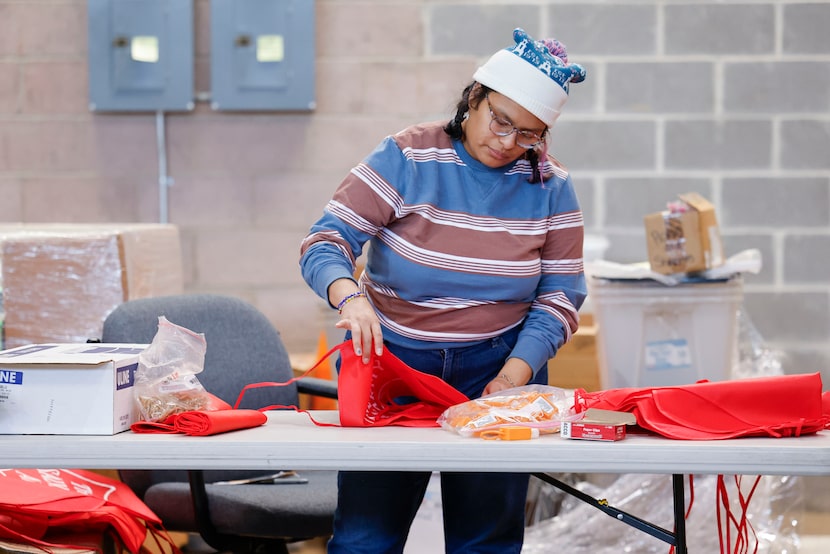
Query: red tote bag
383,392
36,501
386,391
778,406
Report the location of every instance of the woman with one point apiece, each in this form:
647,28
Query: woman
474,274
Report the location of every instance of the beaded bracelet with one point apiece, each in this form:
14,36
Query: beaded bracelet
508,379
347,299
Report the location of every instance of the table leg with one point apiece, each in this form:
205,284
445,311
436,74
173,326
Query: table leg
629,519
679,513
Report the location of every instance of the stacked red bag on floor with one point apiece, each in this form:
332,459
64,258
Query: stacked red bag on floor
36,504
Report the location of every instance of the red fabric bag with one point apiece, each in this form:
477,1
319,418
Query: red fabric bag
201,423
778,406
383,392
36,501
386,391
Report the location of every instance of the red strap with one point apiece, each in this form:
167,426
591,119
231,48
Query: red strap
727,520
746,524
691,496
292,380
722,498
299,411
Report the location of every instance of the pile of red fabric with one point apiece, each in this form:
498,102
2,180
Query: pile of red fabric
38,504
778,406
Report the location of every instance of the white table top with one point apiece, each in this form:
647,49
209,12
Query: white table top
291,441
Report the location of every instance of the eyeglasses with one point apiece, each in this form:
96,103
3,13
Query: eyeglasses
503,128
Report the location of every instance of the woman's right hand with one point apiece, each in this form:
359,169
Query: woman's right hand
357,316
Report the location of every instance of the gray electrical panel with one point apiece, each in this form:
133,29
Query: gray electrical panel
140,55
262,55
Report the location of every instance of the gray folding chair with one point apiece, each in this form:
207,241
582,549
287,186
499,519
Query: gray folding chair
242,347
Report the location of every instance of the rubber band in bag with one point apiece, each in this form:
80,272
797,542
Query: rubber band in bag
540,407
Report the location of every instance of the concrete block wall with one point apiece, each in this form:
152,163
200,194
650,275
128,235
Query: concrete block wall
728,98
731,99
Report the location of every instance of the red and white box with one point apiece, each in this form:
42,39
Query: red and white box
598,425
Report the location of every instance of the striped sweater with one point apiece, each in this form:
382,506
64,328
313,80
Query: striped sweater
458,252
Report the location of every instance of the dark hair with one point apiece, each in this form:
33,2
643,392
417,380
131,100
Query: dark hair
472,96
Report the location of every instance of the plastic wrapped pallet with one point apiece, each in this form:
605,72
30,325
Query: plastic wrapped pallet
61,281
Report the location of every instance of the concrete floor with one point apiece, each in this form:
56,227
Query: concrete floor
815,544
810,544
815,538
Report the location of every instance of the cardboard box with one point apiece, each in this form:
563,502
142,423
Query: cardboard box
576,365
68,389
685,240
61,281
599,425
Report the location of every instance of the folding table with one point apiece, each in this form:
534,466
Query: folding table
291,440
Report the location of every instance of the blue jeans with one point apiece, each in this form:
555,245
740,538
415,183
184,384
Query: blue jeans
483,512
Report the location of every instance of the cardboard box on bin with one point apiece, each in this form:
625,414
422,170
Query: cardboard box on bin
68,389
61,281
684,241
651,334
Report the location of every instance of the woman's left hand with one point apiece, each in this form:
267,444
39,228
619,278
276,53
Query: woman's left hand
514,373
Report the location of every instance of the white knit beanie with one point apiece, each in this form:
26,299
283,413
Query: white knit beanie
534,74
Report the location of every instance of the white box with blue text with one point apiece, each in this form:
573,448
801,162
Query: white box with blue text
68,389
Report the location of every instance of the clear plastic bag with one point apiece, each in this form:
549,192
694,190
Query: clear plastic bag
165,381
773,512
540,407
